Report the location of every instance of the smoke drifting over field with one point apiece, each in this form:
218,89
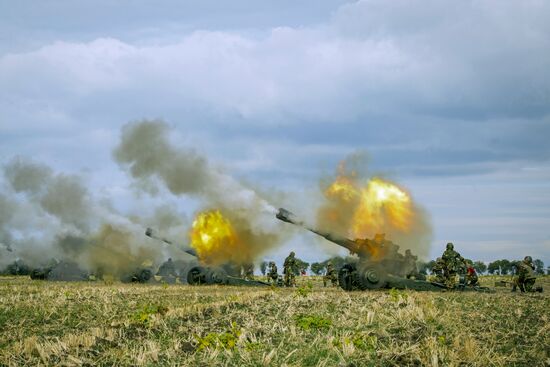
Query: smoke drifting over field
46,214
147,154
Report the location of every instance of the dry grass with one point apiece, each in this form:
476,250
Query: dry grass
45,323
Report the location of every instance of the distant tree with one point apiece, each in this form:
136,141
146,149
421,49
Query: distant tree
539,266
505,267
317,268
301,266
263,267
494,267
515,266
480,267
548,270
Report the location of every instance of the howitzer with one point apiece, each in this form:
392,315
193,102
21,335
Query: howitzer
368,272
359,247
191,272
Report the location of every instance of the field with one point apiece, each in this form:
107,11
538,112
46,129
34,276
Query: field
73,324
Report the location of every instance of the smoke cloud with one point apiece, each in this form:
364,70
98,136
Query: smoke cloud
358,205
147,154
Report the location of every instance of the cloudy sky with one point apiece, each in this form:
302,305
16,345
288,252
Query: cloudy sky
449,98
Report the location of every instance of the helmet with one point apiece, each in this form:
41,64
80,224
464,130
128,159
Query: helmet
292,253
450,246
528,259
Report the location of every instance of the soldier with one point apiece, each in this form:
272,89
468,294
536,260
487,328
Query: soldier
471,275
289,268
454,264
272,274
409,264
439,270
330,275
167,269
526,276
248,270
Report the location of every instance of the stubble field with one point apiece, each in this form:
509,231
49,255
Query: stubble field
74,324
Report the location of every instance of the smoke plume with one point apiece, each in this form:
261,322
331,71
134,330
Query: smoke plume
146,152
357,205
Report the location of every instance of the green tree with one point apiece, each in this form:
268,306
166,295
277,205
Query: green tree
301,266
494,267
539,266
317,268
263,267
480,267
505,267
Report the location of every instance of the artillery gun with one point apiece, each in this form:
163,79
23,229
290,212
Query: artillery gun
372,269
193,273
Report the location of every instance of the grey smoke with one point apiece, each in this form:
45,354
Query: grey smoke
145,151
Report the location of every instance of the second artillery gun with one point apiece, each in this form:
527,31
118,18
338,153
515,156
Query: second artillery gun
194,273
378,264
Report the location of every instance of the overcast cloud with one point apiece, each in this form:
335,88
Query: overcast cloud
452,99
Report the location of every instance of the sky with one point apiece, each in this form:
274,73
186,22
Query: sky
449,99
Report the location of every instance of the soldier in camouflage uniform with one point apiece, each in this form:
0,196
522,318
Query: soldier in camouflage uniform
409,264
471,275
454,264
289,269
248,270
330,275
526,276
272,275
439,269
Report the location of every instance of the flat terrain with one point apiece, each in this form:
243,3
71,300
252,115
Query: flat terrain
58,323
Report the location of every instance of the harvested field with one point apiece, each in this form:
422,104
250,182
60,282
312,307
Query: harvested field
59,323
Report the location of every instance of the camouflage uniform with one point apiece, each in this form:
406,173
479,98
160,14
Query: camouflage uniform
272,275
248,270
330,275
439,270
454,264
289,269
526,276
471,275
409,264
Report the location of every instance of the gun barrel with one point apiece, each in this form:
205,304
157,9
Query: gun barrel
149,233
287,216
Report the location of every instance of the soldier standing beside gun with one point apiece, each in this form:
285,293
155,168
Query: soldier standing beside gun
454,264
330,275
272,275
409,262
438,269
289,268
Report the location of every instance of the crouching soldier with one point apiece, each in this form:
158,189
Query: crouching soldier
525,280
471,275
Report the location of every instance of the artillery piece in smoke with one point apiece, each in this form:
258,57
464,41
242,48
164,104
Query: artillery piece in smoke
371,270
193,273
